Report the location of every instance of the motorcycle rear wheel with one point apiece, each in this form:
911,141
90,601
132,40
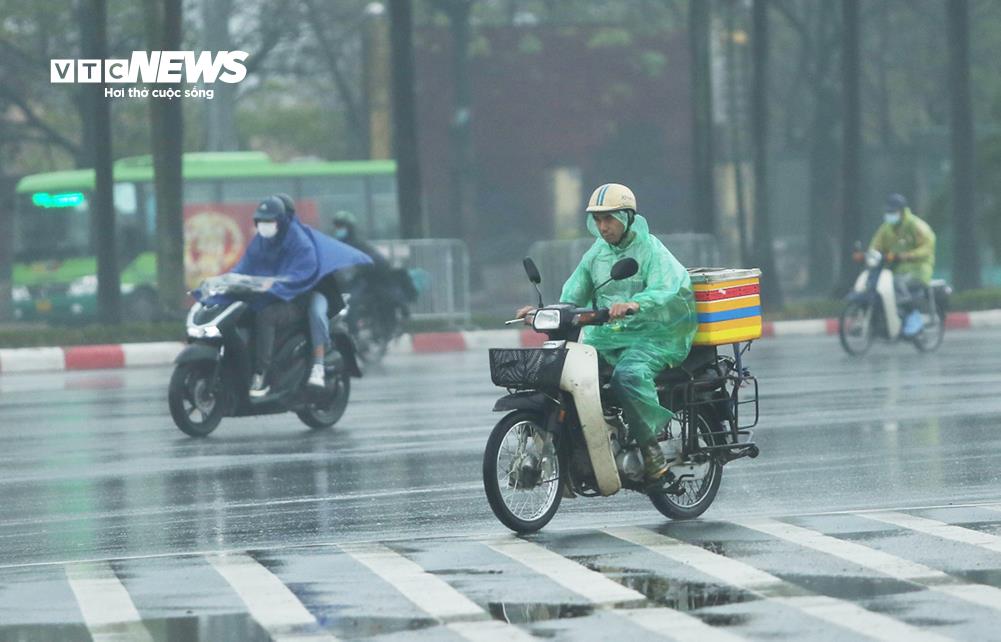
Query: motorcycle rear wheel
511,447
698,495
195,409
930,337
324,414
855,328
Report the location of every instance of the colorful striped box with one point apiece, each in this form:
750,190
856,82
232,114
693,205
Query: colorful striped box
728,302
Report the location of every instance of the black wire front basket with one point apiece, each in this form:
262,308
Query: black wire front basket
527,368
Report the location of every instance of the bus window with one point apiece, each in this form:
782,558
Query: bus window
385,219
52,226
334,193
200,192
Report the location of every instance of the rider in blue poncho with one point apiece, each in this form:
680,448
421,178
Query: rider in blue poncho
303,262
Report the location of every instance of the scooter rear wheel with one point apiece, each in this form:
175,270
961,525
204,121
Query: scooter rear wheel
323,414
522,472
855,328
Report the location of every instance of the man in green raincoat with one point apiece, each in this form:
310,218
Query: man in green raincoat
908,243
660,330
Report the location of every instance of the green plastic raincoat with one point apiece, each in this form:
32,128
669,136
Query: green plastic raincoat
659,335
912,237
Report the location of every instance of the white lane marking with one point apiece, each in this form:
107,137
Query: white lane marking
268,600
576,578
676,625
32,360
939,529
432,594
105,603
736,573
878,561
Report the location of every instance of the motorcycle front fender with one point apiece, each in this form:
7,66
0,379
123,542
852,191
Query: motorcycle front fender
529,400
198,352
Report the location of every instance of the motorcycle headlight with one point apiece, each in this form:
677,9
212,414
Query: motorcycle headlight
204,332
546,320
872,258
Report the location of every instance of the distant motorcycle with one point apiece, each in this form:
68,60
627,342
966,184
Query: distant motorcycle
378,312
212,376
564,435
870,310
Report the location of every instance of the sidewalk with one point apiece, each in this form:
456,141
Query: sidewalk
132,355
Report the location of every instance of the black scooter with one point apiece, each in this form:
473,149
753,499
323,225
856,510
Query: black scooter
212,375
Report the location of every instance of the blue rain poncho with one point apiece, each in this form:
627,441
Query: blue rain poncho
659,335
299,255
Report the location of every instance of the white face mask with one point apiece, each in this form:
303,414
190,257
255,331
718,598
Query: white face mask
267,229
892,217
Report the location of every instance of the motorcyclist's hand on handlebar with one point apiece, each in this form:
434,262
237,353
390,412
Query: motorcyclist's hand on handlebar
619,310
858,256
520,314
891,257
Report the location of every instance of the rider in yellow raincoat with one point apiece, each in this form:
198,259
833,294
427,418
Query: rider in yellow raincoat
658,335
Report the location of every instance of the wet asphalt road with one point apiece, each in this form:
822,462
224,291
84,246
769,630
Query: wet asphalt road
114,521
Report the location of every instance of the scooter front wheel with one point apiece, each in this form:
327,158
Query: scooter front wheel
195,406
522,472
855,328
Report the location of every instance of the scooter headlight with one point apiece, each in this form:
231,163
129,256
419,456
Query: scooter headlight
204,332
872,258
546,320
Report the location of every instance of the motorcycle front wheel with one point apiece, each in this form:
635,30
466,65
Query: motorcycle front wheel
855,328
195,406
522,472
695,496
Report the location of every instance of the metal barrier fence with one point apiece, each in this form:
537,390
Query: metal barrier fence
440,269
557,259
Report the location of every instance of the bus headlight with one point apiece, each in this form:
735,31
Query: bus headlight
20,294
84,286
546,320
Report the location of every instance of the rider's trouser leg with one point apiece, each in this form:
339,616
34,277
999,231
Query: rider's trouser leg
634,387
319,325
266,324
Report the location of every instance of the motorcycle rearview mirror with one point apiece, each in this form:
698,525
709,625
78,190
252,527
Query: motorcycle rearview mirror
531,270
533,275
623,269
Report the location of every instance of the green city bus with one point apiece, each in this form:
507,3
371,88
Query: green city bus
54,272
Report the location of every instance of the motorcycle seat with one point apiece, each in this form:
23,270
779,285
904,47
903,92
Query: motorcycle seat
697,359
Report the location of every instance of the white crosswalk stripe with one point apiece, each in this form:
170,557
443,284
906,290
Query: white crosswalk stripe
736,573
578,579
268,600
105,604
876,560
938,529
600,590
432,594
111,614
